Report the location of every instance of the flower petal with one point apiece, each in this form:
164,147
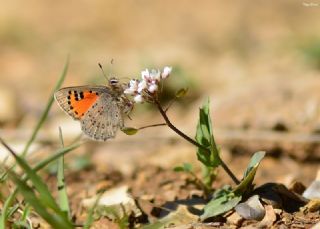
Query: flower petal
155,75
142,85
145,74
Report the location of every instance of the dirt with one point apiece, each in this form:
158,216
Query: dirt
257,62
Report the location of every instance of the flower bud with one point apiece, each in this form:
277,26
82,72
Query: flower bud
152,88
138,98
145,74
166,72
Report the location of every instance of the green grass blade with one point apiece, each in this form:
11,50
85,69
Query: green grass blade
62,191
12,210
46,111
44,194
30,141
26,212
38,167
36,180
6,207
59,153
55,220
90,218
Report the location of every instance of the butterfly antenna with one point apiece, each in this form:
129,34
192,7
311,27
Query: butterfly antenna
103,73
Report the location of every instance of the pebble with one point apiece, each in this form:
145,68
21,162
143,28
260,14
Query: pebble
119,199
313,191
251,209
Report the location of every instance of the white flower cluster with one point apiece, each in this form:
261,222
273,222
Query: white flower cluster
143,89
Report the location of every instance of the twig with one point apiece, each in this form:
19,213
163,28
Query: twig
175,129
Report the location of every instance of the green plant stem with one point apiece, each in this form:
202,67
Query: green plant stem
154,125
175,129
201,185
62,190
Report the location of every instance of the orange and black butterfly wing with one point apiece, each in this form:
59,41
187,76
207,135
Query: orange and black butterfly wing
96,107
76,101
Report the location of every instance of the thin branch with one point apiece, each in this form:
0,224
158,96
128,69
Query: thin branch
175,129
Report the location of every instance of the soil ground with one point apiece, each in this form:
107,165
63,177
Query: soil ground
257,62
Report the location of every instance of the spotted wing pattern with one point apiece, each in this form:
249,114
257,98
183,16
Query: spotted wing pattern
103,119
96,108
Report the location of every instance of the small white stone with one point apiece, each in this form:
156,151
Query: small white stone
118,199
313,191
251,209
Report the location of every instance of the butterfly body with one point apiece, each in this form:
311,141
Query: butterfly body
99,109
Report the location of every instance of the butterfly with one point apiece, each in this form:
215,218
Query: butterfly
99,109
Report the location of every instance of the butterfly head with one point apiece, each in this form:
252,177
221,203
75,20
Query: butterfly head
113,82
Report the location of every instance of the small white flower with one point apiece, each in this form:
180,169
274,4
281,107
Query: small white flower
128,91
166,72
138,98
155,75
134,83
133,87
152,88
145,74
142,85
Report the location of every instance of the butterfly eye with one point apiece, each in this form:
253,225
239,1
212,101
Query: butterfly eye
113,82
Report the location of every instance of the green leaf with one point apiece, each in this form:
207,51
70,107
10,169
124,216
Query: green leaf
181,92
254,162
246,183
129,130
204,136
220,205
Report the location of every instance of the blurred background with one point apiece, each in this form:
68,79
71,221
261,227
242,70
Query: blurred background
258,61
